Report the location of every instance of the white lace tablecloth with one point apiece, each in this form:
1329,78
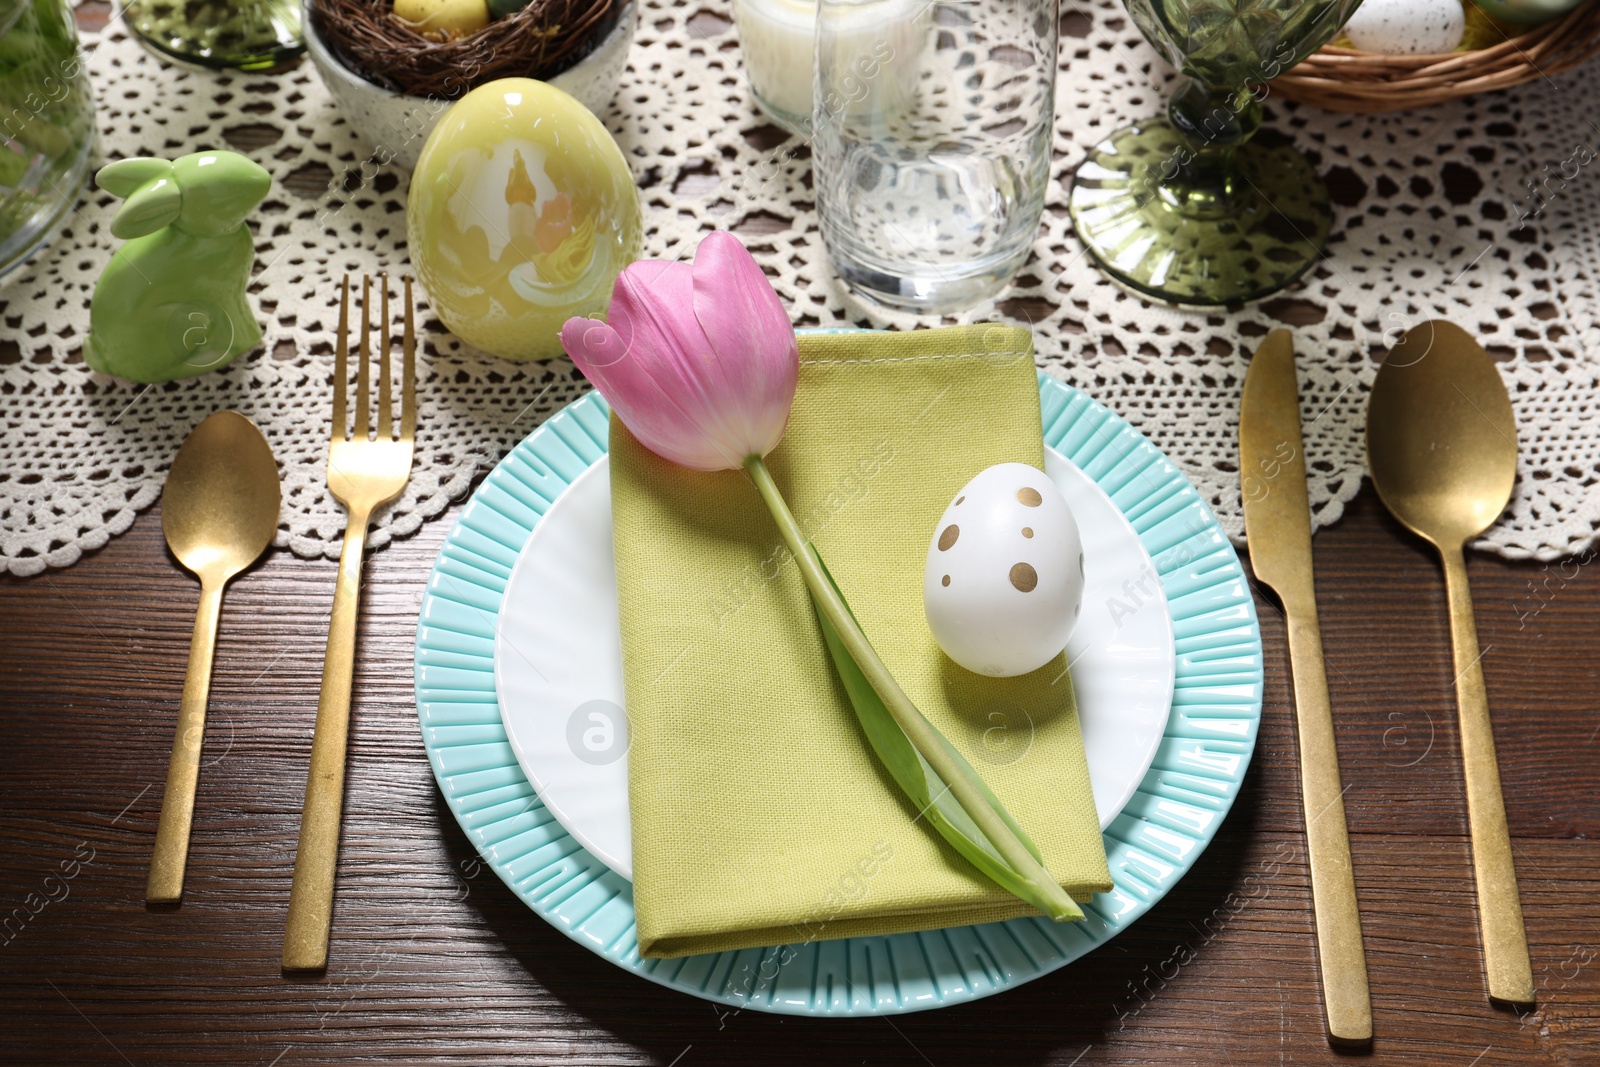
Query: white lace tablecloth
1430,223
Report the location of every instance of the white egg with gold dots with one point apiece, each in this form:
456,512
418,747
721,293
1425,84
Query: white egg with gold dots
1003,586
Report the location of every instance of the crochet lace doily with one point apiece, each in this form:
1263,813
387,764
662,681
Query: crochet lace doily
1434,218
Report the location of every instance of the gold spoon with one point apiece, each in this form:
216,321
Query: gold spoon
1442,448
219,511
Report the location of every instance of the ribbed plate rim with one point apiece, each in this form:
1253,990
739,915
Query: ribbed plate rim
1184,797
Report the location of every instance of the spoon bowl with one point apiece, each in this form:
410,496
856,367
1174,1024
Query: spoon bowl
219,512
1441,437
1442,449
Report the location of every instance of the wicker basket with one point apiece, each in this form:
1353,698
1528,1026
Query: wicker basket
543,39
1344,79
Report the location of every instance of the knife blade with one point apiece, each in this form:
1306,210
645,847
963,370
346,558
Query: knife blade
1277,522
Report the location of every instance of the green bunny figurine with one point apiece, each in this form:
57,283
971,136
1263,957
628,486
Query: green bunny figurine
171,302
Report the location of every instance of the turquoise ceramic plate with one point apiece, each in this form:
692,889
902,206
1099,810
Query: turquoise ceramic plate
1212,730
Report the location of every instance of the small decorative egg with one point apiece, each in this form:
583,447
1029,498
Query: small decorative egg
1407,27
1003,586
443,19
522,213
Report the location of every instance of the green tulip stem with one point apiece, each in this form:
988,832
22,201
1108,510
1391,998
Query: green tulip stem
916,727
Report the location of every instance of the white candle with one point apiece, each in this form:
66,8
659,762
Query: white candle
776,39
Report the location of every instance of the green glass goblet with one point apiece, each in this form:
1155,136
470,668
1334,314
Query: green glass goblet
251,35
1190,209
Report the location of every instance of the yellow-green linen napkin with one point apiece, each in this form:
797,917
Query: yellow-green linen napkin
760,814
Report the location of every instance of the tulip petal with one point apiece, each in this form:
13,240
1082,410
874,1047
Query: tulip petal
735,304
745,323
652,310
649,409
703,401
591,343
655,418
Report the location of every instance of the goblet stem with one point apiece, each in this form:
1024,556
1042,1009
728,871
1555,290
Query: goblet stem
1214,117
1204,180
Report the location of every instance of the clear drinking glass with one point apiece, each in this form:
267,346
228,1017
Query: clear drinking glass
931,143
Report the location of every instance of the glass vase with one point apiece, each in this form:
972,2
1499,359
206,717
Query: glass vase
46,125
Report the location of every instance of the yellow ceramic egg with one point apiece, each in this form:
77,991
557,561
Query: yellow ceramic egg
522,213
447,19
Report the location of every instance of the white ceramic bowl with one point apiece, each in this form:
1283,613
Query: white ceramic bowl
396,125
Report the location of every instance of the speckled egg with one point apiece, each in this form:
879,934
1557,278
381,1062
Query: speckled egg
1003,586
522,213
1407,27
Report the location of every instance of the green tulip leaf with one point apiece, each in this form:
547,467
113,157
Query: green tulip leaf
932,798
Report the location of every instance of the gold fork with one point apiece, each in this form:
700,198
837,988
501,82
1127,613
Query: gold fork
362,474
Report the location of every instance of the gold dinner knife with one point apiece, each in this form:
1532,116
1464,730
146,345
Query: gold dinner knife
1277,522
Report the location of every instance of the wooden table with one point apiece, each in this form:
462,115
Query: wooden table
435,961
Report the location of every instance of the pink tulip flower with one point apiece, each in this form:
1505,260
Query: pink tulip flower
699,361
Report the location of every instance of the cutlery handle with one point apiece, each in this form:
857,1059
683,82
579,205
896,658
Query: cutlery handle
305,941
171,855
1340,950
1505,941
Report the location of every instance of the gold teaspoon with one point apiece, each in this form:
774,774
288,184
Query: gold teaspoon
1442,449
219,511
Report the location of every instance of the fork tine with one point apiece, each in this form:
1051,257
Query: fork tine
385,391
341,360
364,369
408,348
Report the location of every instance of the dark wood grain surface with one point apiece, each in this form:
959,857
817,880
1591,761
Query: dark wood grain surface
436,961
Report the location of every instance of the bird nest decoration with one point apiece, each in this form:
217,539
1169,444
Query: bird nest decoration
457,47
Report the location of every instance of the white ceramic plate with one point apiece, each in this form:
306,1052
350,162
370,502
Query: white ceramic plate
1199,766
558,660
